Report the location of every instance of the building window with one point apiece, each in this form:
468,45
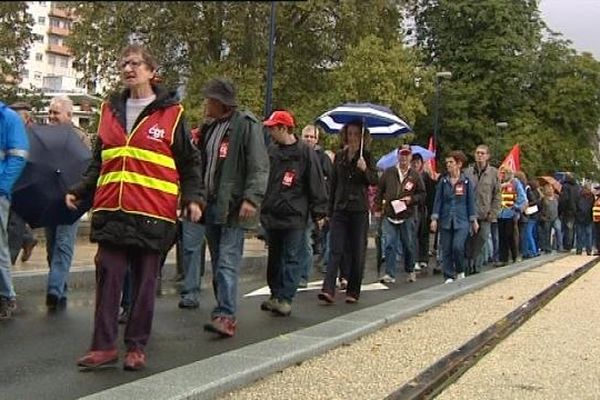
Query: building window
42,3
38,38
42,20
51,59
55,40
25,74
39,56
64,62
37,76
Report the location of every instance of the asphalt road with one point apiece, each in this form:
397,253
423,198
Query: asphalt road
38,350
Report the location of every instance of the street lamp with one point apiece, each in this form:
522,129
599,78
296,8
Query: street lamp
499,125
269,93
436,114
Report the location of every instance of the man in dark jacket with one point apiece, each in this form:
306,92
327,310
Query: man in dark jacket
401,190
296,188
423,213
236,169
567,207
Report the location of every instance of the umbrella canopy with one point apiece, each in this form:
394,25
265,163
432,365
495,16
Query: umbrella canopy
57,158
391,158
550,180
380,120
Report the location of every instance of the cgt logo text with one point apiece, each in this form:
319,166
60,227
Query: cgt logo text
156,133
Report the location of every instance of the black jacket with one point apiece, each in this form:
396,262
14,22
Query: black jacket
567,201
296,187
118,228
349,184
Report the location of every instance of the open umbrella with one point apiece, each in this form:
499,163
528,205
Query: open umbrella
380,120
550,180
391,158
57,158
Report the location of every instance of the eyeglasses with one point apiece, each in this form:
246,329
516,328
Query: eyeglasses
133,63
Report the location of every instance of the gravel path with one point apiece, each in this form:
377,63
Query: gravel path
378,364
554,355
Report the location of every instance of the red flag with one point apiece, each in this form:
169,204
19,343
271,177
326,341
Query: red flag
431,164
513,159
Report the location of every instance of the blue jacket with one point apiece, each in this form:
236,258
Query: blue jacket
454,207
14,148
520,202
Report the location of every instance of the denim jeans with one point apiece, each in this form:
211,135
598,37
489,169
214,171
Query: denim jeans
558,234
568,229
226,246
283,267
306,252
584,237
399,236
484,232
532,247
60,244
453,242
6,286
495,242
192,258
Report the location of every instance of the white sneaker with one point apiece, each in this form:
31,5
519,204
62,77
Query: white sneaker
387,279
417,267
461,275
449,280
423,265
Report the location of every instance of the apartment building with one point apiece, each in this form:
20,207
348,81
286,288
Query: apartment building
50,63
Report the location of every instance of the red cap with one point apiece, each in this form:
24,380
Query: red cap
280,118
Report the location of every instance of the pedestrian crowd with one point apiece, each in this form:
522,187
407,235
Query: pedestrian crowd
152,181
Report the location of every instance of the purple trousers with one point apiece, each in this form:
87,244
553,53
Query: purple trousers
111,266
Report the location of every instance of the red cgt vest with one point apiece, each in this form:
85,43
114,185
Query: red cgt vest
138,173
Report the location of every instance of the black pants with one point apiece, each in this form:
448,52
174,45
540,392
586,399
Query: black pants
506,239
422,242
348,235
597,236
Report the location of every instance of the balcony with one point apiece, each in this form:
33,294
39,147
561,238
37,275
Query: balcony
58,49
55,30
60,12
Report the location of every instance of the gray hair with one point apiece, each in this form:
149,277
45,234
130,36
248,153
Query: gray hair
65,103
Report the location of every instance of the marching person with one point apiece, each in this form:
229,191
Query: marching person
423,214
512,202
353,172
454,208
295,195
143,161
14,147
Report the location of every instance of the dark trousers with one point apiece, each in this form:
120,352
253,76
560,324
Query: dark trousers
283,265
348,233
545,232
111,266
506,239
422,242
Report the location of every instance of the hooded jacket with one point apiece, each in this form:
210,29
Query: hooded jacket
124,229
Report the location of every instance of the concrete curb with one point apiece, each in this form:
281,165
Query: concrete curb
217,375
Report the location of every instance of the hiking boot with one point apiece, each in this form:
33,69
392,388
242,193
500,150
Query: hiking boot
326,297
124,316
7,307
223,326
188,303
27,250
387,279
269,304
95,359
412,277
135,360
282,307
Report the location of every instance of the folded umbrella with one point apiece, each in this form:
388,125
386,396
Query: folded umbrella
57,159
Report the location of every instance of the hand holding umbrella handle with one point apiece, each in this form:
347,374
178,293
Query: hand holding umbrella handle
71,201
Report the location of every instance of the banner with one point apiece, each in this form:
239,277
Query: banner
513,159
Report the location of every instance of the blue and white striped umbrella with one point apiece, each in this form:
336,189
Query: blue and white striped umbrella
380,120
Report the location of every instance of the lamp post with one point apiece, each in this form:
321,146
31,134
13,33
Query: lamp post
499,125
269,94
436,112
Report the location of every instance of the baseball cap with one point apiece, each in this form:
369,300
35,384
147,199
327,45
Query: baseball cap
280,118
404,149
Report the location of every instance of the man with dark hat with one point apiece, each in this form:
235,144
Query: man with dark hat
236,169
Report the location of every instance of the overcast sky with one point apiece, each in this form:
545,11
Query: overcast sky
577,20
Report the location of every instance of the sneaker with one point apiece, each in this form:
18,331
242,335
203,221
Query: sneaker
343,284
268,304
449,280
221,325
135,360
460,275
282,307
303,284
412,277
27,250
7,307
387,279
417,267
188,303
351,299
124,316
423,265
95,359
326,297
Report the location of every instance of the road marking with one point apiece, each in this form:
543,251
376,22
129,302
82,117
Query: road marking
316,285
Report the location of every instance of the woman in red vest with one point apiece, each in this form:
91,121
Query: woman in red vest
143,165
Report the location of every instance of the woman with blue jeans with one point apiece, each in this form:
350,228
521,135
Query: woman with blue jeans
454,208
